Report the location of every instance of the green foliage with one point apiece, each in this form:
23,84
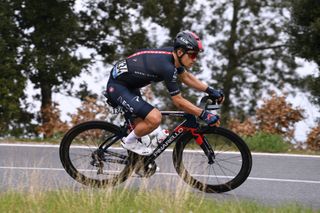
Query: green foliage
112,29
13,116
171,14
265,142
38,42
304,31
50,29
51,38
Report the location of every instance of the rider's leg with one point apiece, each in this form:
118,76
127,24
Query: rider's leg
150,123
133,103
145,126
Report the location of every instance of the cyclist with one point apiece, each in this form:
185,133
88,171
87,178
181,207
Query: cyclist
155,65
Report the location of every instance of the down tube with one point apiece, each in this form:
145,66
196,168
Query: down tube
166,143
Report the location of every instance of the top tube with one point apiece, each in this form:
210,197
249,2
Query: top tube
205,103
182,113
174,113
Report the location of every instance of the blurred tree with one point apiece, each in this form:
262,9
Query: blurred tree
112,28
250,51
304,31
50,31
172,15
14,119
83,93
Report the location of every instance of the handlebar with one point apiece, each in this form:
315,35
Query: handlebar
209,103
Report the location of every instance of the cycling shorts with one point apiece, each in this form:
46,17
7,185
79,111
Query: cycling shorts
130,99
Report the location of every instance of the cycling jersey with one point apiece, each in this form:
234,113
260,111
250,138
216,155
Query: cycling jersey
147,66
138,70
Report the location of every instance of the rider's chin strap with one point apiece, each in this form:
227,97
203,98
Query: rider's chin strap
179,58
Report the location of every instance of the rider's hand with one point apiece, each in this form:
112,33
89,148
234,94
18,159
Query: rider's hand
209,118
216,94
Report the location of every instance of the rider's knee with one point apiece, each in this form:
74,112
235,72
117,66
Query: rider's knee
154,117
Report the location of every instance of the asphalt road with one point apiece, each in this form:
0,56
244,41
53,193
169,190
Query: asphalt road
275,179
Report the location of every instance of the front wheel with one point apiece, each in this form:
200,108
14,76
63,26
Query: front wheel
91,154
227,167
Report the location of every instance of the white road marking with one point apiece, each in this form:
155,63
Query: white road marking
170,174
168,150
30,168
160,173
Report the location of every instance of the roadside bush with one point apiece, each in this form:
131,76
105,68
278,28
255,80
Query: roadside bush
313,140
245,128
54,126
276,116
90,109
266,142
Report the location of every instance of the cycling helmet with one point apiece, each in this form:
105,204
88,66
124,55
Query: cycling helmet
188,40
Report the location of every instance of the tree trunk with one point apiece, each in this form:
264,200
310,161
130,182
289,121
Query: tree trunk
46,102
232,62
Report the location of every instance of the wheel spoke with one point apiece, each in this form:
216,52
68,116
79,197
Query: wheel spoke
228,161
82,153
115,154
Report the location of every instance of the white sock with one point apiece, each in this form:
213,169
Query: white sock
131,138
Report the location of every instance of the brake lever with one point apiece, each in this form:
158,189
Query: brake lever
209,104
212,107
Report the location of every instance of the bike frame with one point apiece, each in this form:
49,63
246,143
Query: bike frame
191,125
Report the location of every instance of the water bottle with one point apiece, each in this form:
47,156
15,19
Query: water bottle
161,135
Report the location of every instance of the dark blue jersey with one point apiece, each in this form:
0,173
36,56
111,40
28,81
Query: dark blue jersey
147,66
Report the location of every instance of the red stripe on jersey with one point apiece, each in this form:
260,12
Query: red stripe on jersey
150,52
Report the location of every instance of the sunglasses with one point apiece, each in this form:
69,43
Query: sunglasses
192,55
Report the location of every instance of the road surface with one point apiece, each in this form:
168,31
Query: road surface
275,179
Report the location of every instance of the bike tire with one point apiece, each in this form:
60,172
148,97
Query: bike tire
231,167
81,156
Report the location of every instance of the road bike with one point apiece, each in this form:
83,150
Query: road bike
209,158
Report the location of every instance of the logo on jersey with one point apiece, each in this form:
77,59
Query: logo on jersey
120,68
111,89
125,104
136,99
174,77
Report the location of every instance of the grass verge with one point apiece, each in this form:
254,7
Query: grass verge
264,142
127,201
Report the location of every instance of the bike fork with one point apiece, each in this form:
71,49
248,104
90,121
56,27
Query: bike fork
205,146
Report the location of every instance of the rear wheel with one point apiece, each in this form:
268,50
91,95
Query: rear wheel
230,165
91,154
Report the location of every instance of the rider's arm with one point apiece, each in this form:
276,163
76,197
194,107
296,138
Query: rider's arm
186,105
191,81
